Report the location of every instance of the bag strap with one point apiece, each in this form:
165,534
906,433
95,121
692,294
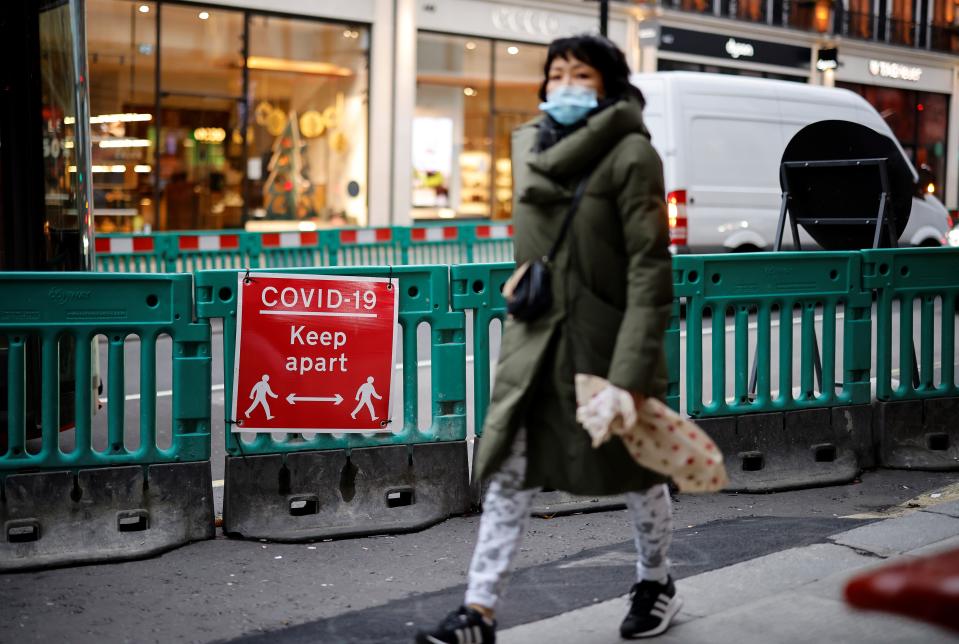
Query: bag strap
573,207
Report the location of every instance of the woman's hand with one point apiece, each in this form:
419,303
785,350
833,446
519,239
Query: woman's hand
603,409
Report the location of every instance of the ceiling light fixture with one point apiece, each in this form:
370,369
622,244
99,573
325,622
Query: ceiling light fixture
203,15
296,66
125,143
144,8
512,50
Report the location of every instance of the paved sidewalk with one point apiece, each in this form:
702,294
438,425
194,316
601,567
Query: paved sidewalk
790,596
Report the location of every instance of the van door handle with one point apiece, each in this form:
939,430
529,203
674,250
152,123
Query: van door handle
692,200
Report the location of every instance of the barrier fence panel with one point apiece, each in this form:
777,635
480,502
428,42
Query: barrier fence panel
492,243
917,293
777,443
191,252
405,478
64,504
439,245
365,247
131,253
291,249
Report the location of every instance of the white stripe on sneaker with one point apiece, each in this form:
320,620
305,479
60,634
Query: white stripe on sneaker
477,634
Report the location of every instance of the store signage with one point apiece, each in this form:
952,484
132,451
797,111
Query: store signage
728,47
525,22
313,353
828,59
895,71
739,49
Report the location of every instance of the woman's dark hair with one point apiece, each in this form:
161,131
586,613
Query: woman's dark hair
600,54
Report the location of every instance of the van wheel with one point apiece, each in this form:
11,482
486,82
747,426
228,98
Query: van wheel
929,243
746,248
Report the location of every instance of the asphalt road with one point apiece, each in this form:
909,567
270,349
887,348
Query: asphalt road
381,589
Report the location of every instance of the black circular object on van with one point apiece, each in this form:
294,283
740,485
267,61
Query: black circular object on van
850,191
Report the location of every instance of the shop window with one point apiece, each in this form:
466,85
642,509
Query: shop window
121,45
945,26
276,135
200,169
752,10
859,19
470,94
919,120
902,24
307,147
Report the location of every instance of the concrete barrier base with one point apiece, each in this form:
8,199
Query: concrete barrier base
104,514
919,434
795,449
305,496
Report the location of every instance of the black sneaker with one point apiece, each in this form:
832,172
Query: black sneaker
463,626
652,606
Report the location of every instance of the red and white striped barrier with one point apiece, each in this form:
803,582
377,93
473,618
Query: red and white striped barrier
368,236
117,245
501,231
435,234
290,240
208,242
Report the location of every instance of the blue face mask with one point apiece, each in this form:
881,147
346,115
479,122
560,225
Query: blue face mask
568,104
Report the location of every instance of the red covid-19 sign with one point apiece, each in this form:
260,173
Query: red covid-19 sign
313,353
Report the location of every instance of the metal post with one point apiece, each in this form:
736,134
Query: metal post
603,17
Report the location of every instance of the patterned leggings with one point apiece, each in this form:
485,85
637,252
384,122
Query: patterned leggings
506,517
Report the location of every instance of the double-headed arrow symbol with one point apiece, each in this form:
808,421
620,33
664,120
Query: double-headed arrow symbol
293,399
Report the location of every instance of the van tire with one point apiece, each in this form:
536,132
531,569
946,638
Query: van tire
746,248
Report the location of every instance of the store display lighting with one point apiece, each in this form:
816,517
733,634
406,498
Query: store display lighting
203,15
350,33
99,169
470,45
469,91
125,143
931,188
299,66
142,169
144,8
112,118
512,50
209,134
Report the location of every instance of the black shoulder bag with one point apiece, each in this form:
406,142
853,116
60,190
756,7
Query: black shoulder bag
528,291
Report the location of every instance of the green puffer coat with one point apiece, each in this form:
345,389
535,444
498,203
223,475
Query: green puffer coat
612,293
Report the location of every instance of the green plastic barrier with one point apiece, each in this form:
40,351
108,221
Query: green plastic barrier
291,249
38,311
437,244
190,252
131,253
365,246
764,285
478,288
491,243
910,276
68,505
424,297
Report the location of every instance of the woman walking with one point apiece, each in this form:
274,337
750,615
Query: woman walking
587,160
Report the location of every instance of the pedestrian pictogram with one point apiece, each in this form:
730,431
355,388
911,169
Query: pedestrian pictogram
307,343
363,394
258,394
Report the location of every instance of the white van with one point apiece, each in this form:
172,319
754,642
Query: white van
722,137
